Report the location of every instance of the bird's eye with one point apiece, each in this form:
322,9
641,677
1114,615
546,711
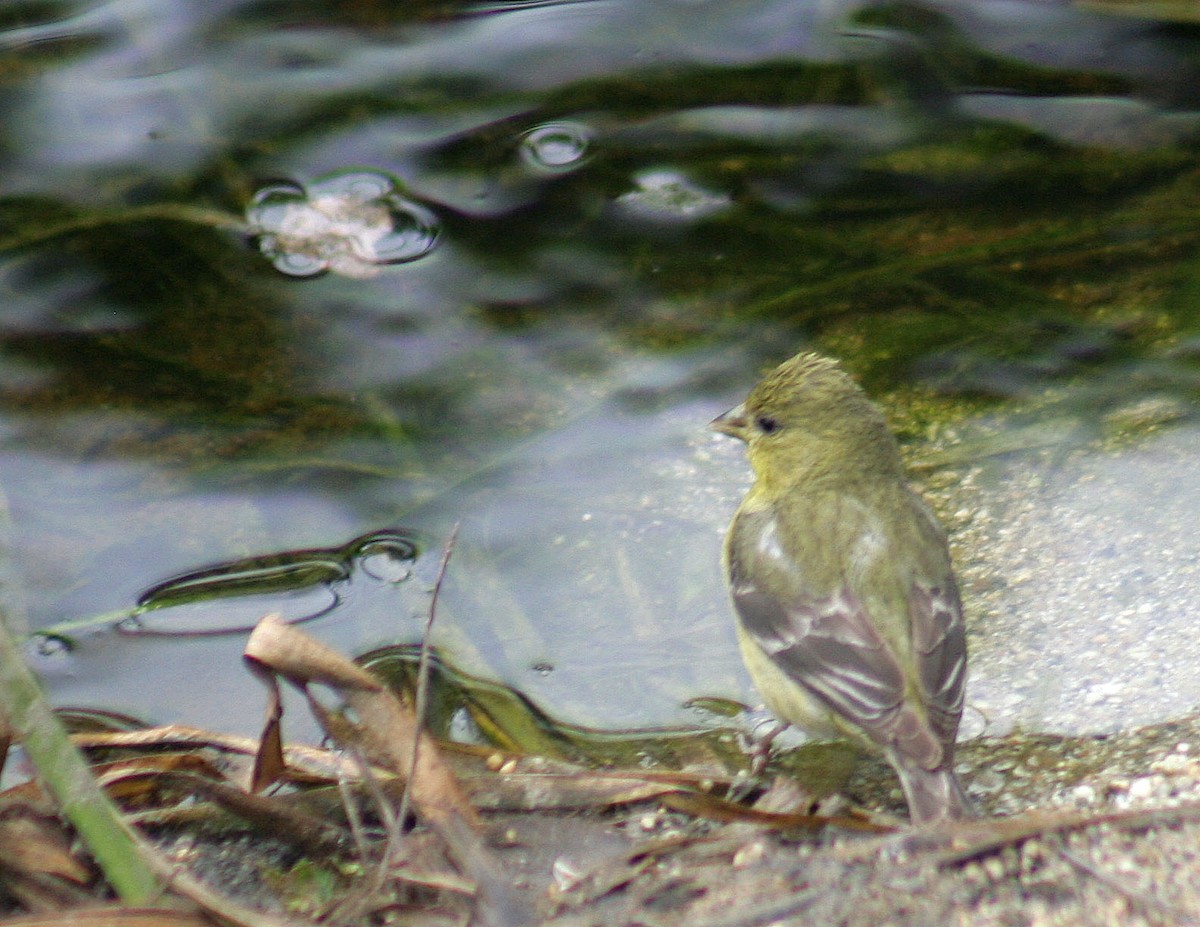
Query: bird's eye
767,425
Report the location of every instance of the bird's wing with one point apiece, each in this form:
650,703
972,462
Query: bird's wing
940,640
830,647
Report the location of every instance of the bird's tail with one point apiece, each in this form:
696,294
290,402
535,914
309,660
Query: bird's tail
932,794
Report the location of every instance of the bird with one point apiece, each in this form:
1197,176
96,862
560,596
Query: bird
847,611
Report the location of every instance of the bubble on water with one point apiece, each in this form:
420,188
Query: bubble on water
556,147
52,645
348,223
386,556
670,196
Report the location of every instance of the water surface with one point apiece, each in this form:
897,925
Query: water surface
279,276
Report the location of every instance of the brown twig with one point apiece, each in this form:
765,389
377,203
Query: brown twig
422,689
394,823
350,806
970,840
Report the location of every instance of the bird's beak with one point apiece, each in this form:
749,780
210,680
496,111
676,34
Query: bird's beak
733,423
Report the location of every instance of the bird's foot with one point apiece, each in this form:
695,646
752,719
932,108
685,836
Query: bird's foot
758,747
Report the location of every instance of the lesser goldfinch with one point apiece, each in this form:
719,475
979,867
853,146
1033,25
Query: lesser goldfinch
848,615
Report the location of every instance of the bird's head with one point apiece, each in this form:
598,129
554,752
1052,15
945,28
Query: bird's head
808,417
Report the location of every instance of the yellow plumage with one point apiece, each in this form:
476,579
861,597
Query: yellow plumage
848,614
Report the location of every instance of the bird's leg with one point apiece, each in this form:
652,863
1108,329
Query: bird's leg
759,748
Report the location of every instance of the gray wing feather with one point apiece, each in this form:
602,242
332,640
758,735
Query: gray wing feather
939,635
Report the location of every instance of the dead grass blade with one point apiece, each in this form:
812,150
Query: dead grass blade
111,916
310,833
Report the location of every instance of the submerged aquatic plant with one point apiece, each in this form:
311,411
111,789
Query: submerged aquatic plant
347,223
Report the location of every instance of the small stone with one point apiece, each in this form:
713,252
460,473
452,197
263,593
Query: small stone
1173,765
749,854
1141,788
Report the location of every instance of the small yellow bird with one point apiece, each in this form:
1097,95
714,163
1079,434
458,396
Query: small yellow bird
848,614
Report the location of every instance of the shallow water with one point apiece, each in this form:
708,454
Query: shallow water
277,276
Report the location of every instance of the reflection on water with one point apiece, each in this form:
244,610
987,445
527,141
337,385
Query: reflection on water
262,583
464,708
667,196
987,209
